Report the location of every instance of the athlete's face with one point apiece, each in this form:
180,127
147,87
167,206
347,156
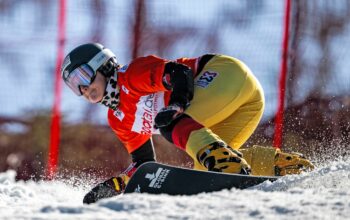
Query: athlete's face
95,91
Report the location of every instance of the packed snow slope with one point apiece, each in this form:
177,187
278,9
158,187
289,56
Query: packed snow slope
321,194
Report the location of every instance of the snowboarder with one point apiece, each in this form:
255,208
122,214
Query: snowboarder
208,106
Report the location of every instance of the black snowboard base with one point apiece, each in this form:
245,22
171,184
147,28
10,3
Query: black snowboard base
156,178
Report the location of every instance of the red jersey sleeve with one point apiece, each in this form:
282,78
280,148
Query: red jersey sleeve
145,74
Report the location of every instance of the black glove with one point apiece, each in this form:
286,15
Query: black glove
167,114
109,188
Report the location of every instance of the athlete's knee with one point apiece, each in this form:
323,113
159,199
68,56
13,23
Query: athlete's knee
167,131
179,130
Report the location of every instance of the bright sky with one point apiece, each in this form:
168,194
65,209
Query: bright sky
28,51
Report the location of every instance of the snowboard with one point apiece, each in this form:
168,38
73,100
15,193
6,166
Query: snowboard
156,178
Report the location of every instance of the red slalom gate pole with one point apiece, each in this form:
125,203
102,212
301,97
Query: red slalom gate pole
52,162
277,141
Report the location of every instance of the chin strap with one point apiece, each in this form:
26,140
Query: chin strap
111,95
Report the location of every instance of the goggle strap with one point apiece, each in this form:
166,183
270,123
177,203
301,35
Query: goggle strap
100,58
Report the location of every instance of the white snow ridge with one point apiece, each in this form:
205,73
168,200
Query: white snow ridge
321,194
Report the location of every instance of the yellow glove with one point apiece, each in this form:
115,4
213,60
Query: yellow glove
269,161
291,163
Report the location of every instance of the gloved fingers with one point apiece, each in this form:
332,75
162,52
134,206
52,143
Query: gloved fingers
291,163
173,107
289,170
163,119
167,114
285,159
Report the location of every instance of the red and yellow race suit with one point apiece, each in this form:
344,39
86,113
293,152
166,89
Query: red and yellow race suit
228,100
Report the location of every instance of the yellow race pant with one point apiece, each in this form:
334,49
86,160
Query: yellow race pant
228,101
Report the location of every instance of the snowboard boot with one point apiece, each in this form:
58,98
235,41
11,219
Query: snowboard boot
219,157
269,161
109,188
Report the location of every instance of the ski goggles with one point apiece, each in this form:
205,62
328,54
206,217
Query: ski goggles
85,74
80,76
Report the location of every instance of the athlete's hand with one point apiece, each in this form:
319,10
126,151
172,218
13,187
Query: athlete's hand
167,114
291,163
109,188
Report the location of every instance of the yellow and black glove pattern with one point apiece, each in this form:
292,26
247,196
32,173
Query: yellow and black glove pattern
291,163
269,161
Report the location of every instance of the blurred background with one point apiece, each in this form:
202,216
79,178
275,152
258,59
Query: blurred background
317,102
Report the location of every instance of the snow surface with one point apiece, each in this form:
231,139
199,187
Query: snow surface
321,194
